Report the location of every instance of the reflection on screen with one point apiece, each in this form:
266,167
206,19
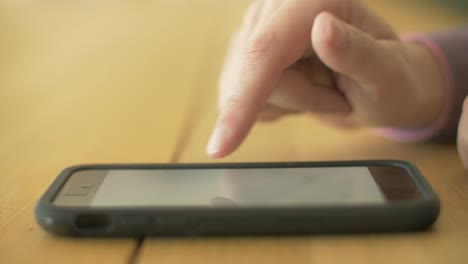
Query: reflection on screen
239,187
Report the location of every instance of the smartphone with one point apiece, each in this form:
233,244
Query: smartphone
238,199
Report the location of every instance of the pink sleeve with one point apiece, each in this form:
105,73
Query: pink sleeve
450,49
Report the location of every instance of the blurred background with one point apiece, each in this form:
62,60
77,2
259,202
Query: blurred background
134,81
460,6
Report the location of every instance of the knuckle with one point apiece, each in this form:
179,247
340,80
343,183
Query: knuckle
234,101
259,47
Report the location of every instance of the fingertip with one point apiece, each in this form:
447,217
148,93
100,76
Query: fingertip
216,153
216,144
321,30
224,140
328,34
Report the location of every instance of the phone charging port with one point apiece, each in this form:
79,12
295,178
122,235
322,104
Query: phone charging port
92,222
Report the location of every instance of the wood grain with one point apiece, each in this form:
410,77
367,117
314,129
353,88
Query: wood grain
86,82
301,138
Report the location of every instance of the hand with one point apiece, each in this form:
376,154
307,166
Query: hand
333,58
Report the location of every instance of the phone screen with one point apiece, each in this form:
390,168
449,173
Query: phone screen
243,187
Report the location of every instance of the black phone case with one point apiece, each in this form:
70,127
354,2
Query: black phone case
201,221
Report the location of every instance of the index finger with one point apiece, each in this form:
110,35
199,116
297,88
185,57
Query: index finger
274,46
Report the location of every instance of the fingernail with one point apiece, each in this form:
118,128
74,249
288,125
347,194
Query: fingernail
334,32
341,36
214,146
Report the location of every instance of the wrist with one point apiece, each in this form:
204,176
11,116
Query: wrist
429,85
440,95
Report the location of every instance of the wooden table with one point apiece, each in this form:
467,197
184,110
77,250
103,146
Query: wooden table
135,81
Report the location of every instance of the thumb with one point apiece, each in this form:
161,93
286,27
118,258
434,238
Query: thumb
350,51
